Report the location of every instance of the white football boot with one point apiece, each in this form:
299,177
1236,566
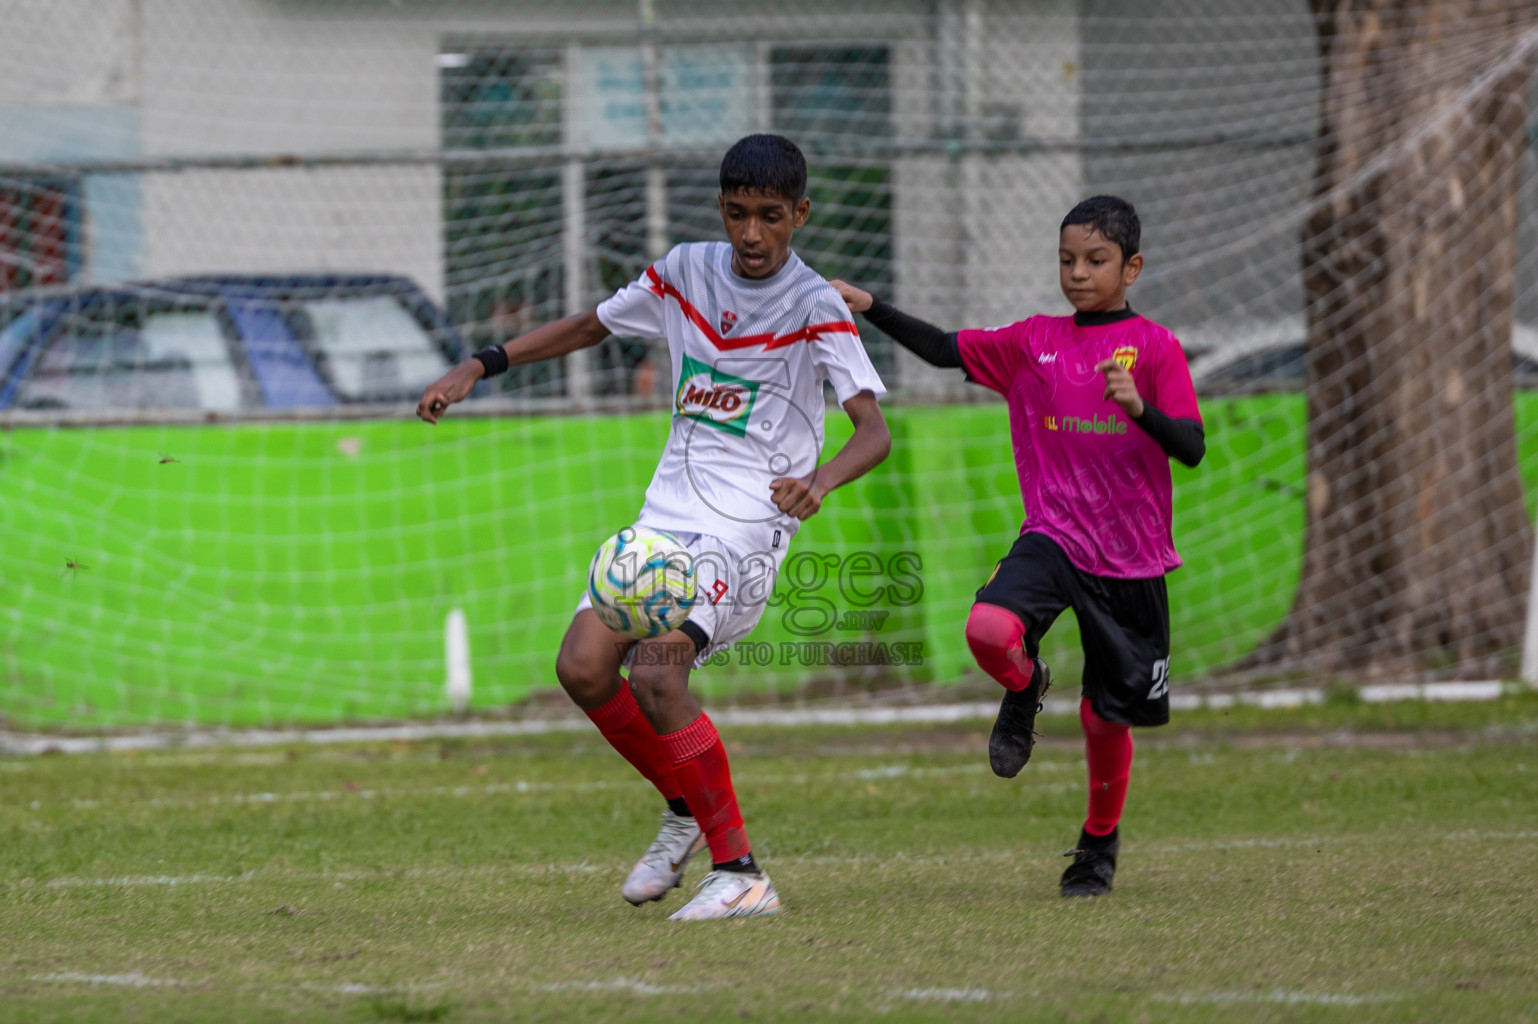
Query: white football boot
661,867
731,894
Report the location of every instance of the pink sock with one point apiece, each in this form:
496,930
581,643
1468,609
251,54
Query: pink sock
1108,749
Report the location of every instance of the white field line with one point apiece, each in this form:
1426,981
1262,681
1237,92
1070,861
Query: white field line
951,995
923,714
1014,854
353,988
629,986
1010,855
1278,996
307,796
128,881
133,979
338,878
633,986
746,781
1461,836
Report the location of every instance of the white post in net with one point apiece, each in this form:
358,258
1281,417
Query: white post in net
1530,637
656,175
456,656
579,382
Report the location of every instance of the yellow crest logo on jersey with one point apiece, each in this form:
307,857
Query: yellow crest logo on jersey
1126,356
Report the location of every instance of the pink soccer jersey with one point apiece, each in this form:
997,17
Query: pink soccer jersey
1090,479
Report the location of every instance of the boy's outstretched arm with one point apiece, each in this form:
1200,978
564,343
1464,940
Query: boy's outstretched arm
547,341
930,343
872,440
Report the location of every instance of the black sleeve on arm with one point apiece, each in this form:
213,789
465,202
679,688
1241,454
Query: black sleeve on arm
923,339
1181,439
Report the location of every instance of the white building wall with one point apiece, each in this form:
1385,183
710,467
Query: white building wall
264,78
69,92
230,78
1029,87
977,230
296,220
67,53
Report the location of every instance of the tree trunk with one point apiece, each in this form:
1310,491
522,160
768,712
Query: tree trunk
1417,547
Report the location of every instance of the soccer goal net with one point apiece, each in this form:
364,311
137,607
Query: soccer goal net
238,237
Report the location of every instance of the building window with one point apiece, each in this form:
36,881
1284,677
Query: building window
616,235
835,101
39,233
502,215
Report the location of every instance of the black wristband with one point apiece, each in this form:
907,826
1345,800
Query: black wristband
494,359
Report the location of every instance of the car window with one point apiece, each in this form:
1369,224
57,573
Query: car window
1281,364
371,348
14,338
1525,370
125,356
197,339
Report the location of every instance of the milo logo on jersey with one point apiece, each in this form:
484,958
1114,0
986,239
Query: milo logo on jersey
716,398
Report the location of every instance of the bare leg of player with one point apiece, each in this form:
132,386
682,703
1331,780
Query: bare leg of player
661,681
589,670
589,661
736,887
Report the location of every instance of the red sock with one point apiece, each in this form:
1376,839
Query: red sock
699,765
997,638
1108,749
627,730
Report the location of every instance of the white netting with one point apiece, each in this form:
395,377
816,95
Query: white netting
365,191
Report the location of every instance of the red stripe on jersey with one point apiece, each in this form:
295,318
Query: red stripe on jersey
811,332
655,282
808,333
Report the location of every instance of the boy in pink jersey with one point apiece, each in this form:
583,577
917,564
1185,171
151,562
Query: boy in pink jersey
1098,404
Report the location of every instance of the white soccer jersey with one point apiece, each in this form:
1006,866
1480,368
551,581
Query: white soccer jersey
749,361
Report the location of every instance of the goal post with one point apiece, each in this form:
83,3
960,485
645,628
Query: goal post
237,238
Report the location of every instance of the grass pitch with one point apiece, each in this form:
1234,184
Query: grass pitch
1340,864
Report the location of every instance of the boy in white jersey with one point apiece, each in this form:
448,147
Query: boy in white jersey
753,333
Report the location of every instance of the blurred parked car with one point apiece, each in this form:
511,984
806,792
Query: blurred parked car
223,344
1267,357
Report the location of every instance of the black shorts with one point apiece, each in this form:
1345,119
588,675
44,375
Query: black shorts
1124,625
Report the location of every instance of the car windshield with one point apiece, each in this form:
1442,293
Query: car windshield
134,355
370,348
1276,364
20,324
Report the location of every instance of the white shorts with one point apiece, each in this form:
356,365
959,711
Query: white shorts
732,590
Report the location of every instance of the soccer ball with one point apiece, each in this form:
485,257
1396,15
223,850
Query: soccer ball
641,582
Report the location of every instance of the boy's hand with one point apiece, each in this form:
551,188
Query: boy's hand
1119,388
858,300
797,496
450,388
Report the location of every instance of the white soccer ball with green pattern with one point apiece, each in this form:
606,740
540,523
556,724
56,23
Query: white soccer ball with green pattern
641,582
